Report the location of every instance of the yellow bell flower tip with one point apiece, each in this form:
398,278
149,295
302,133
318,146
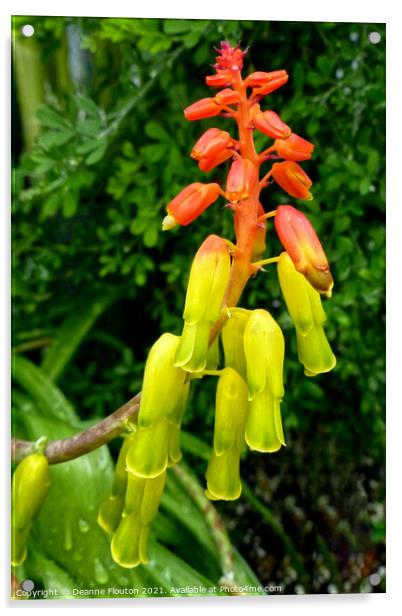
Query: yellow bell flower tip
168,223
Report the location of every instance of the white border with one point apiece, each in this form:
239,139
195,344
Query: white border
291,10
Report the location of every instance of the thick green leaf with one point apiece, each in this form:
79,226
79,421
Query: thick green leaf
47,397
73,331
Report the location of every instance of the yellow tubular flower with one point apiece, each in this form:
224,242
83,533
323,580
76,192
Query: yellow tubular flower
163,382
112,507
264,348
232,339
305,308
129,542
207,284
223,479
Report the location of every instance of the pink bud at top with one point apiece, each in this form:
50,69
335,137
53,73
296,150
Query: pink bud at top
304,248
227,97
220,80
241,179
275,80
210,143
291,177
204,108
269,123
206,164
229,58
294,148
190,203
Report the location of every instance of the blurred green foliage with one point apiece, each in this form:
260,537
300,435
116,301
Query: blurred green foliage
93,171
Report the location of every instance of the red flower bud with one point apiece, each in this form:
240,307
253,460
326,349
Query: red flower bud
190,203
291,177
206,164
269,123
220,80
210,143
261,78
294,148
304,248
204,108
227,97
241,179
275,80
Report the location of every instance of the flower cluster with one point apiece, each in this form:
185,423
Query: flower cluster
250,377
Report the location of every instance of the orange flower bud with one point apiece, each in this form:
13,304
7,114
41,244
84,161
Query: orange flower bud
212,142
294,148
206,164
304,248
204,108
220,80
227,97
241,179
291,177
190,203
269,123
261,78
272,81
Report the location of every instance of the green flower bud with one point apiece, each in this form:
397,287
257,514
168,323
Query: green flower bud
163,382
264,348
30,486
305,308
232,339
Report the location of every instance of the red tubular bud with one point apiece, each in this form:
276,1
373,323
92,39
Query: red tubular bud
227,97
210,143
220,80
294,148
261,78
206,164
241,179
304,248
291,177
269,123
204,108
190,203
275,80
